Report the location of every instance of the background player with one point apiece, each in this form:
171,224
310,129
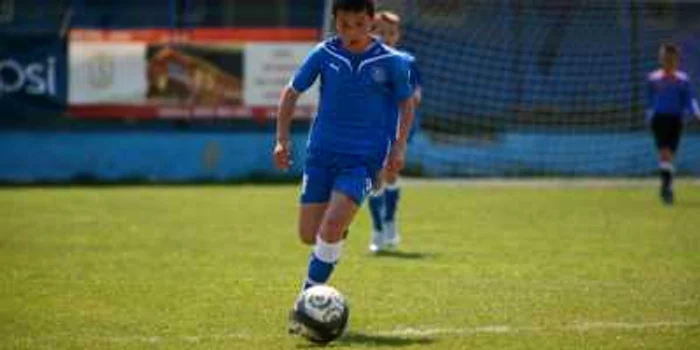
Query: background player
383,204
670,97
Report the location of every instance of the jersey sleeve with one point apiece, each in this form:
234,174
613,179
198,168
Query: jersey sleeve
402,79
309,70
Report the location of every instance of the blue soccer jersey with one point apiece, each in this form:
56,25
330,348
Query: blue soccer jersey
357,93
670,94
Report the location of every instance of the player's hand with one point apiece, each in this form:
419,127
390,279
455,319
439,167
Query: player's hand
397,158
281,155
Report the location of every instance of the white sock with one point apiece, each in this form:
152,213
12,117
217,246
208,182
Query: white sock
328,252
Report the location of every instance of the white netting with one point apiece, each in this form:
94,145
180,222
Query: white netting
554,87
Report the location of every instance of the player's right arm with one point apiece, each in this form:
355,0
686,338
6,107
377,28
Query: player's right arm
287,104
301,81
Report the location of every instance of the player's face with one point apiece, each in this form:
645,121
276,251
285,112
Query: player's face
669,61
389,32
353,29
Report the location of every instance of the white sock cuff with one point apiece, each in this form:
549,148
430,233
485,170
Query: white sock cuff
666,166
377,193
393,187
327,252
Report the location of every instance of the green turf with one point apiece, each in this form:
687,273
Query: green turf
479,268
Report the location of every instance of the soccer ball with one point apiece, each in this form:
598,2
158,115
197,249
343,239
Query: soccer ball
320,314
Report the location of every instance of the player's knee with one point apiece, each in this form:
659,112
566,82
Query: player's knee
307,234
306,238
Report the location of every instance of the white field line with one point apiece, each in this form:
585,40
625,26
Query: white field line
406,332
504,329
546,182
157,339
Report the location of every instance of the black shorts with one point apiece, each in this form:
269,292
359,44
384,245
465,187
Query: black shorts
667,130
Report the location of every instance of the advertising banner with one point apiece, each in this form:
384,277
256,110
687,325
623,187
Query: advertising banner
32,75
107,72
268,68
199,73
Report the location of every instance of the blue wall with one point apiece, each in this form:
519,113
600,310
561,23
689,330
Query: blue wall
154,156
603,154
162,156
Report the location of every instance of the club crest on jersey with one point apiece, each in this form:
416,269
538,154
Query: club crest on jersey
379,75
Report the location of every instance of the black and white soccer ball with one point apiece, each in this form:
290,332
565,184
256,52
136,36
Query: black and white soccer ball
320,314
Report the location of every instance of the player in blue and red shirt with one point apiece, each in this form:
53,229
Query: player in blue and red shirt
363,83
670,101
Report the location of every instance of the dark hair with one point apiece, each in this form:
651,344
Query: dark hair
669,48
366,6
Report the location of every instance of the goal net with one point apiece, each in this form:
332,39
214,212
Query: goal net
543,87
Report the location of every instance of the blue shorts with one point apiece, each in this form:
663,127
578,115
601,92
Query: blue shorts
351,175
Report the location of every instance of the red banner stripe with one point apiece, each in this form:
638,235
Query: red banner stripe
110,111
197,35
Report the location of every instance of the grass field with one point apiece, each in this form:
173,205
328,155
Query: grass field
218,267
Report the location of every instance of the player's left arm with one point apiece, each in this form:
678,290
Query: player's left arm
416,82
405,94
397,155
417,96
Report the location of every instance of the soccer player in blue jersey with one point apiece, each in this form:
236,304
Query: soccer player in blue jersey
670,99
383,203
362,82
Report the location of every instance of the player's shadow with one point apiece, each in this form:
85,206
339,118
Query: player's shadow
373,340
397,254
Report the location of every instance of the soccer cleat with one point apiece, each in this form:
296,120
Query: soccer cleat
377,243
392,237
